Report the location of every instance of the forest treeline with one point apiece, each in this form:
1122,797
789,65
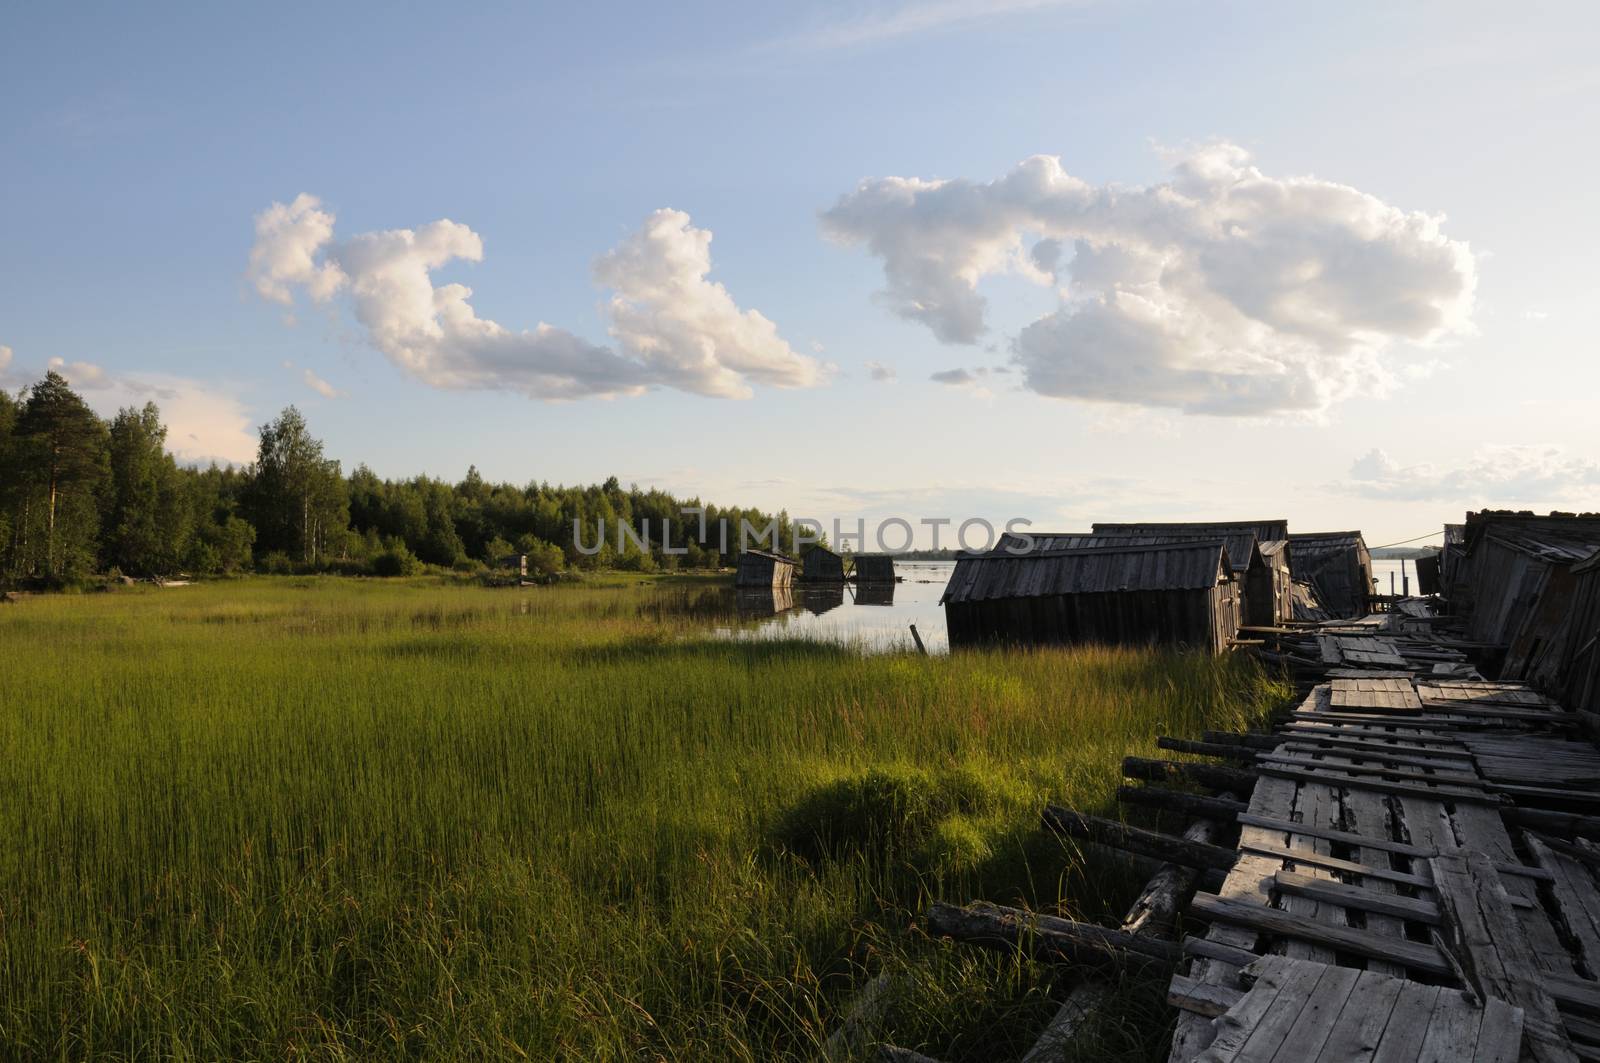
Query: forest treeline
80,495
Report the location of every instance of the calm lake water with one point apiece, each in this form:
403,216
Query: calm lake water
877,619
1382,569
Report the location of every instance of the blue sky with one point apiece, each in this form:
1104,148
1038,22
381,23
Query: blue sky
139,145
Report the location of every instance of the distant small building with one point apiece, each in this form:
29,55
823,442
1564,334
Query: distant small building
874,568
513,563
822,565
1338,566
1182,594
761,568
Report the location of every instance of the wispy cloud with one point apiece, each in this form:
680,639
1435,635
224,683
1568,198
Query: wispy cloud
884,374
1491,475
906,20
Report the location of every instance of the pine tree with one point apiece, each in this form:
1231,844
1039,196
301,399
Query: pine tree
63,447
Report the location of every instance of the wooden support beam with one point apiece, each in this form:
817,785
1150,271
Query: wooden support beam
1209,775
1260,918
1162,847
1221,809
1328,777
1202,998
1248,739
1205,749
1329,891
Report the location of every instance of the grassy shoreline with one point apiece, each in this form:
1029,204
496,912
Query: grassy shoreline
342,818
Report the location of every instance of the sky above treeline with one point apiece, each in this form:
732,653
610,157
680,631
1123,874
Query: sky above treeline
1060,261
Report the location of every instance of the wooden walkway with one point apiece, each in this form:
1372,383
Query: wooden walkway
1410,880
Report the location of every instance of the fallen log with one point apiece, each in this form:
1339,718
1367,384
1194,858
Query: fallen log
1202,856
1208,775
1247,739
1205,749
1046,937
1196,806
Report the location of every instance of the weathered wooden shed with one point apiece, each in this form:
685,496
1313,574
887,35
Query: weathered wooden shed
1265,594
1580,663
1338,566
1517,582
821,565
874,568
1182,594
762,568
514,564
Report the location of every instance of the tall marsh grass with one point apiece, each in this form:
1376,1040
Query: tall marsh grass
358,819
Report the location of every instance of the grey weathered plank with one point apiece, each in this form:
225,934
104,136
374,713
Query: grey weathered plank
1235,1027
1495,950
1366,900
1348,939
1576,897
1316,1020
1408,1023
1356,1032
1201,998
1380,785
1452,1030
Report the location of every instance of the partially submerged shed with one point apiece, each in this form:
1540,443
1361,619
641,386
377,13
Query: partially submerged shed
874,568
1260,567
1182,594
822,565
762,568
1338,566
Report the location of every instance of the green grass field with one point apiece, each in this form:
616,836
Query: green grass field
324,818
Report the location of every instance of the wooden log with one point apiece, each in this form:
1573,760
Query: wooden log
1331,891
1162,847
1047,937
1205,749
1209,775
1258,917
1074,1012
1248,739
1220,809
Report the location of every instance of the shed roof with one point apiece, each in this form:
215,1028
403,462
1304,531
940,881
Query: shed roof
1272,547
1112,569
769,555
1309,544
1241,543
1559,547
1261,529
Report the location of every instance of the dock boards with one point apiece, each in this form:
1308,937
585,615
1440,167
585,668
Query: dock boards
1299,1011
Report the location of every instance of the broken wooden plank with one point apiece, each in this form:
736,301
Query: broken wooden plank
1494,948
1201,998
1366,900
1360,942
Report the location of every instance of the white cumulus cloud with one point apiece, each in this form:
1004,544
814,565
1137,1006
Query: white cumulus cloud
674,326
1492,475
1222,290
205,422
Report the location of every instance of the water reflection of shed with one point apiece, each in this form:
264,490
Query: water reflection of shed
761,568
1182,594
820,598
874,594
759,603
874,568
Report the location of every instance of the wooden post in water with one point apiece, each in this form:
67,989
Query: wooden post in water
920,647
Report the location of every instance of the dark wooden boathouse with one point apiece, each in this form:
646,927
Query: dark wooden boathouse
1182,594
762,568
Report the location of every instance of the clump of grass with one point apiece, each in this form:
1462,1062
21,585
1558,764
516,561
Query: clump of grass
414,819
